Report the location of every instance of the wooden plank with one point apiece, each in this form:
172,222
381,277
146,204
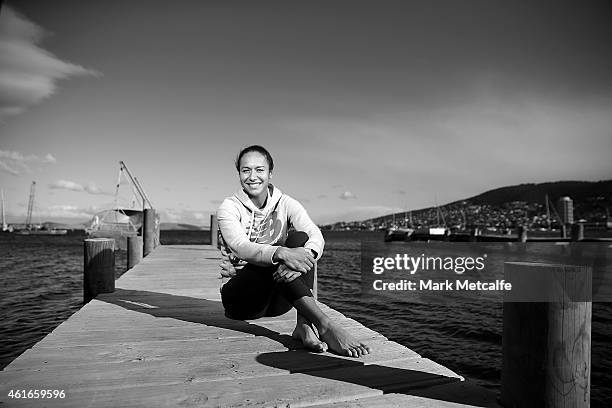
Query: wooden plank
212,367
454,395
87,355
296,390
244,383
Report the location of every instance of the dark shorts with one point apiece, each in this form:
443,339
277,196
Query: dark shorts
252,293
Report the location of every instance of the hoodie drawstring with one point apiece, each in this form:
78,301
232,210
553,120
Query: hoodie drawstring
252,222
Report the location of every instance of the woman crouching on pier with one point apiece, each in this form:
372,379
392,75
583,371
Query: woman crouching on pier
271,269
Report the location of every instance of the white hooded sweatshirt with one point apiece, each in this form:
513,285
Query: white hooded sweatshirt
252,235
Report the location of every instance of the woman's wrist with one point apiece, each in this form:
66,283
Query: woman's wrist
278,255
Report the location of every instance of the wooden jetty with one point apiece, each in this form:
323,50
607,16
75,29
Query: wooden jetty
161,340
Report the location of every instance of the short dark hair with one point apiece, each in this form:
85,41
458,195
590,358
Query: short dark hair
255,148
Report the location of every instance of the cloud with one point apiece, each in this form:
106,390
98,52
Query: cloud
28,73
66,185
347,195
68,211
4,166
90,188
15,162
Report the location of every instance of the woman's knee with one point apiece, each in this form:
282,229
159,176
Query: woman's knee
247,295
296,239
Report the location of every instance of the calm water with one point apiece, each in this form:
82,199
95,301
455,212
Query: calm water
41,286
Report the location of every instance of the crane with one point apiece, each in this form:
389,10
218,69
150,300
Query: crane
30,205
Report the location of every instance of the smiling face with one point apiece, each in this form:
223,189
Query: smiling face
254,173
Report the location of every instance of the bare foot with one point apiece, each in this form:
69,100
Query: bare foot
341,342
307,336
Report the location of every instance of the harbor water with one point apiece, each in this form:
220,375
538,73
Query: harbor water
41,286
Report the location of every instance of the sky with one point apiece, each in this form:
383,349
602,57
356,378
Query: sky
367,107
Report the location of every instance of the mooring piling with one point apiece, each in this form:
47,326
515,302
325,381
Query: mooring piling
214,228
99,267
148,231
134,251
546,338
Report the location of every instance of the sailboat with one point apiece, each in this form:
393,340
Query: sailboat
439,232
37,229
399,233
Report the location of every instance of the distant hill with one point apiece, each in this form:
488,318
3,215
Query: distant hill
591,198
178,226
579,191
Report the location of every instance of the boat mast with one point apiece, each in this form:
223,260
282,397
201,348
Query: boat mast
30,205
439,213
4,226
556,213
547,212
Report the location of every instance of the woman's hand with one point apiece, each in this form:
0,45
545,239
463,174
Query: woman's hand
298,259
227,269
285,275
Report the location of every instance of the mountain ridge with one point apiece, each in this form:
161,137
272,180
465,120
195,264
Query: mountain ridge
589,197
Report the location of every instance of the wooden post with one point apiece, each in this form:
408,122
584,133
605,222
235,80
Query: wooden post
134,251
99,267
563,231
314,284
577,232
474,233
547,344
214,226
148,231
522,234
157,228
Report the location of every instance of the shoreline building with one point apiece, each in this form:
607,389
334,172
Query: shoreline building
565,207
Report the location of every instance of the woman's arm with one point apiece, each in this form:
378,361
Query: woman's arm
298,217
236,239
298,259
